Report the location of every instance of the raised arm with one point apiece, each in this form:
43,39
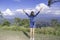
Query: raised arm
38,12
26,13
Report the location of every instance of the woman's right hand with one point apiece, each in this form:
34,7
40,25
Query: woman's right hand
23,10
41,8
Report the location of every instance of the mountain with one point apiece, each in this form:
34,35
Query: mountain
40,17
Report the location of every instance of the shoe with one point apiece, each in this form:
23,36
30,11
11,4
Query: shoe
33,39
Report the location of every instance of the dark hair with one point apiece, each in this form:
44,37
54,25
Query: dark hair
32,13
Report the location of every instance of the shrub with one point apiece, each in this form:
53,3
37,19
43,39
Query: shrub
48,30
6,23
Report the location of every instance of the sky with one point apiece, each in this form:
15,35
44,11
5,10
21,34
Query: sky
19,4
8,6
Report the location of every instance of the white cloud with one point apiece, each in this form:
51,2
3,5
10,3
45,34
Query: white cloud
26,10
55,11
41,5
45,9
8,12
29,10
20,10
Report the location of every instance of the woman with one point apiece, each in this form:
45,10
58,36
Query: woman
32,27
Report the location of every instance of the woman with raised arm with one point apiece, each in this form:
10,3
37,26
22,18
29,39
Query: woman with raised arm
32,27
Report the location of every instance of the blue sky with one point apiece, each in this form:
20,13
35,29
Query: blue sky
22,4
8,6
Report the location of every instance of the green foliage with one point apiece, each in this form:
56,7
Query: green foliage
25,23
48,30
43,30
6,23
54,22
14,28
17,21
21,22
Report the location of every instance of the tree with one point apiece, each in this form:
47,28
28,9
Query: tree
25,22
54,22
17,21
6,22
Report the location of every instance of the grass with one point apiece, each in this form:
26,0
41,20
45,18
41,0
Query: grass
14,28
43,30
48,31
46,37
15,33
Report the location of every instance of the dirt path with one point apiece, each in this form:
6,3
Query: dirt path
16,35
12,35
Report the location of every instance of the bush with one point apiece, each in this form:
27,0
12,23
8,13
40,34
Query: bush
48,30
6,23
15,28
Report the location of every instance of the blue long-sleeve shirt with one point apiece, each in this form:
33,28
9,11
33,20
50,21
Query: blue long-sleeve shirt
32,17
